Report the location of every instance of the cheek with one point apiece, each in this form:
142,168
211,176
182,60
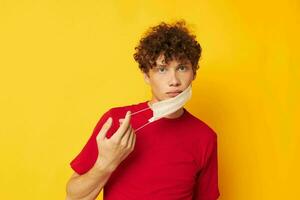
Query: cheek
157,85
189,77
157,81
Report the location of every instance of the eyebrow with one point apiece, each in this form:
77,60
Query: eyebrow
164,65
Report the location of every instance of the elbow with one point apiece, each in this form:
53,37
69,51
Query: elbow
70,195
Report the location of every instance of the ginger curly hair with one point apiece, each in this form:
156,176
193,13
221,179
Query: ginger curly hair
172,40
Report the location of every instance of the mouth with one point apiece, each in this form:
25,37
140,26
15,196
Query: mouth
173,94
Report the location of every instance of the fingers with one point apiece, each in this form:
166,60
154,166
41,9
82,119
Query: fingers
125,137
106,126
132,140
127,140
126,121
125,124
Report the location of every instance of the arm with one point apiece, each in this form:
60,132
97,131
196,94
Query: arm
111,152
206,187
89,185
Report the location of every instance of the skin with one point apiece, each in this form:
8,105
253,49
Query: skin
165,77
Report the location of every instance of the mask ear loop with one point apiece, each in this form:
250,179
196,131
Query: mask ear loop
144,124
141,127
139,111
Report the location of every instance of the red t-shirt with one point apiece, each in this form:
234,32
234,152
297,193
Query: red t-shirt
173,159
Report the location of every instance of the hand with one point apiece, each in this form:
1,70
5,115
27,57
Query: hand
112,151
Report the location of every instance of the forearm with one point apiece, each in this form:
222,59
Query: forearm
91,196
88,185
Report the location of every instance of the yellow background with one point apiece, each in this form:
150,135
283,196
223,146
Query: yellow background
63,63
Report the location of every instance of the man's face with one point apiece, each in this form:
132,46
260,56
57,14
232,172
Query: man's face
167,80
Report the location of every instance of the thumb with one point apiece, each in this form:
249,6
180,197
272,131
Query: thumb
106,126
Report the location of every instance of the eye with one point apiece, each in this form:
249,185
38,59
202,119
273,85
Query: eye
161,69
182,68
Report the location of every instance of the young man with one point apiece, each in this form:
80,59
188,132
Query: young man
172,158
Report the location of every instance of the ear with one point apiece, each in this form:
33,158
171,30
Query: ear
146,77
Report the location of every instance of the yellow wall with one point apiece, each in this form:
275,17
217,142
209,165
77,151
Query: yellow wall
63,63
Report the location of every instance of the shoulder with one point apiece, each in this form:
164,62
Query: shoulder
201,128
204,136
204,139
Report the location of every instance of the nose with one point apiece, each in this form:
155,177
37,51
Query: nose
174,80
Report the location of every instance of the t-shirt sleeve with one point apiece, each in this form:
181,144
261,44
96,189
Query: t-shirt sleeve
87,157
206,187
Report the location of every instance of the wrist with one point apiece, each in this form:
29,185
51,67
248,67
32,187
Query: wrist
104,167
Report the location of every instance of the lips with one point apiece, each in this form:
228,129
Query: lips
174,93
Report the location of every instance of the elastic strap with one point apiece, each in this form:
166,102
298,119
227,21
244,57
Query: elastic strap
144,124
139,111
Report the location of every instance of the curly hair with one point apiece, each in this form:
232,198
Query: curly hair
171,40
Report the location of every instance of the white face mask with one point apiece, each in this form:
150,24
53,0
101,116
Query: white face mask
168,106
